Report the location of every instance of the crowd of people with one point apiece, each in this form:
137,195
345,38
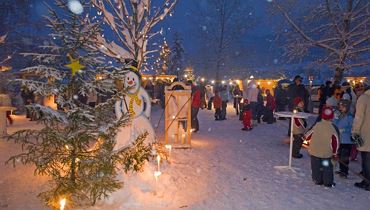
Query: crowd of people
341,129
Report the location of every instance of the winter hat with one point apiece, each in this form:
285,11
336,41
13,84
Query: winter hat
297,77
327,113
297,100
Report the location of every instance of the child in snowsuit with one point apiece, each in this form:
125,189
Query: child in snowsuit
324,141
344,124
299,128
247,116
217,104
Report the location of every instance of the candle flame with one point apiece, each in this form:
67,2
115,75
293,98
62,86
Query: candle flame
157,173
62,203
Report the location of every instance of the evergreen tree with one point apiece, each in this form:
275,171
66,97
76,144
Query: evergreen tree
177,55
75,147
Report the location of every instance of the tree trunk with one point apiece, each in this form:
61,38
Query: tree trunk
221,41
339,71
338,75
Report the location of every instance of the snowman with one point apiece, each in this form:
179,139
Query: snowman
138,104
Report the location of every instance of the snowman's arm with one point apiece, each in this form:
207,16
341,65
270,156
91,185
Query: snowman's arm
117,109
148,102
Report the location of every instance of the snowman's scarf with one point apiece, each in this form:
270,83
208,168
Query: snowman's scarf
133,98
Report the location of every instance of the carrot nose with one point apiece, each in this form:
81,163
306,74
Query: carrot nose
130,82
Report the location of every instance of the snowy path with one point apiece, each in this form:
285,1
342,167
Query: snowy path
238,168
226,169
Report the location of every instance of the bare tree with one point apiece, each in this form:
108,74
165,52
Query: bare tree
132,23
340,28
223,23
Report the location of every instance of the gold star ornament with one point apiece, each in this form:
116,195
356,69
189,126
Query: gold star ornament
75,65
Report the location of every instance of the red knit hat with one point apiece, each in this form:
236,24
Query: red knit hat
297,101
327,113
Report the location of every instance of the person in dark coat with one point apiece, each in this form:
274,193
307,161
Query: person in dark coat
270,107
325,94
260,107
195,106
217,103
297,89
202,89
224,97
161,87
237,94
280,98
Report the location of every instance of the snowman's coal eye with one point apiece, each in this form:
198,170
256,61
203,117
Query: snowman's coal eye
133,79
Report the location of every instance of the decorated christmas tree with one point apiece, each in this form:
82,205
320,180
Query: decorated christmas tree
76,146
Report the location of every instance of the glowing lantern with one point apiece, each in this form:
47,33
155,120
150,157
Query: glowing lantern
178,115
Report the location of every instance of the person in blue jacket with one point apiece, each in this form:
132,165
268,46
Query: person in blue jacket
344,123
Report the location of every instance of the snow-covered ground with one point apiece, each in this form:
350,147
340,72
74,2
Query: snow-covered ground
226,169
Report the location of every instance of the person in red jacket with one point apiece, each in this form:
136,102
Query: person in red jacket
269,108
217,103
195,105
247,116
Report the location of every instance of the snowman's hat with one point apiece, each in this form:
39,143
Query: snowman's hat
131,65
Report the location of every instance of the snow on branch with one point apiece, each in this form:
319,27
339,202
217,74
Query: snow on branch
132,22
340,28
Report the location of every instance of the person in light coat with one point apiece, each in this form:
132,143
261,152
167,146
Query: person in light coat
344,123
361,128
250,93
349,94
324,141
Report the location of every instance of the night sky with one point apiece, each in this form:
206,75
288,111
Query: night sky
259,39
260,49
182,21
